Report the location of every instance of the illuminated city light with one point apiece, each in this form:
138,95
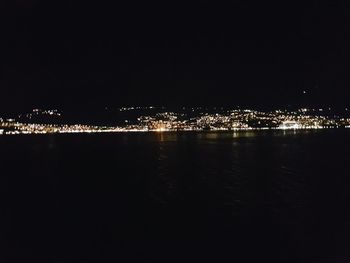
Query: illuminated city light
290,125
164,121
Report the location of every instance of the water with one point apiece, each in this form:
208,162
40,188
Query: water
169,197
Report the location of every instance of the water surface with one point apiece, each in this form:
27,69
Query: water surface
271,196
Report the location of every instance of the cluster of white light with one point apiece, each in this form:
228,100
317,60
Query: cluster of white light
136,108
170,121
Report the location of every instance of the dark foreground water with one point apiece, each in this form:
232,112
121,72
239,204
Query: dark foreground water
176,197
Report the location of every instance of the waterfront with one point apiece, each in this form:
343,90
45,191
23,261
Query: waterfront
277,196
152,119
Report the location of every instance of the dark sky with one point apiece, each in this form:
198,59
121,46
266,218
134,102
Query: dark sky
91,54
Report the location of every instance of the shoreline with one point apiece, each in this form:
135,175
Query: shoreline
157,131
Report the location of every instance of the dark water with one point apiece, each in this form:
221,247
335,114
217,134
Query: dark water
176,197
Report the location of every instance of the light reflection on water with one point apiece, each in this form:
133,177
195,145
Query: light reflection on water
292,186
244,171
215,135
224,165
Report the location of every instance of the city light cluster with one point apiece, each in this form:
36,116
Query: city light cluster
196,119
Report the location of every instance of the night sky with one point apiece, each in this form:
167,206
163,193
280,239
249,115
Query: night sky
71,54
